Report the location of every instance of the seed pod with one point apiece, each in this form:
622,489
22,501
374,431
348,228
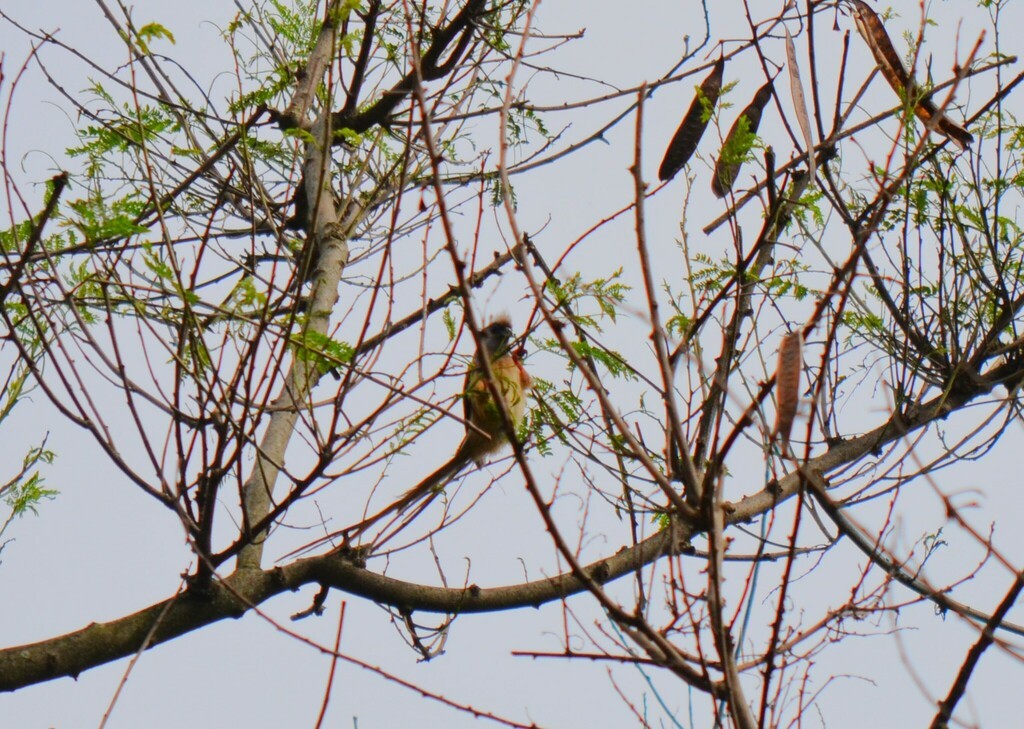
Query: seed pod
684,142
730,160
787,384
870,27
796,87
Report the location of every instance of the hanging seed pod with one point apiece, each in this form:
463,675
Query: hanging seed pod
787,385
870,27
684,142
731,157
796,87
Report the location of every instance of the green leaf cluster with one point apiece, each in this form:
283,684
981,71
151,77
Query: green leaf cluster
573,294
321,351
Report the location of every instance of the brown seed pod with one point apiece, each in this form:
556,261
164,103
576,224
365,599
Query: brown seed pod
796,87
871,29
730,159
787,384
684,141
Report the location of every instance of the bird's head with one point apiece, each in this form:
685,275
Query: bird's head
497,337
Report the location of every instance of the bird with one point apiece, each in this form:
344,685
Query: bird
486,428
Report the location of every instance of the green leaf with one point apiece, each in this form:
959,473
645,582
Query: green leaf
152,31
322,352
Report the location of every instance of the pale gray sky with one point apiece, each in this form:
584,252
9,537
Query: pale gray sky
102,549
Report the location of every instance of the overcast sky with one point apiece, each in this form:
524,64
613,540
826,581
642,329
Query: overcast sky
102,549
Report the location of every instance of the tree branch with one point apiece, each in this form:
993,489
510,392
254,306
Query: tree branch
99,643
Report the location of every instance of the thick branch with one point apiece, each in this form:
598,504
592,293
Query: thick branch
70,654
100,643
311,75
430,68
328,236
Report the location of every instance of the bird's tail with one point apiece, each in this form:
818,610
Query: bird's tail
432,485
424,491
